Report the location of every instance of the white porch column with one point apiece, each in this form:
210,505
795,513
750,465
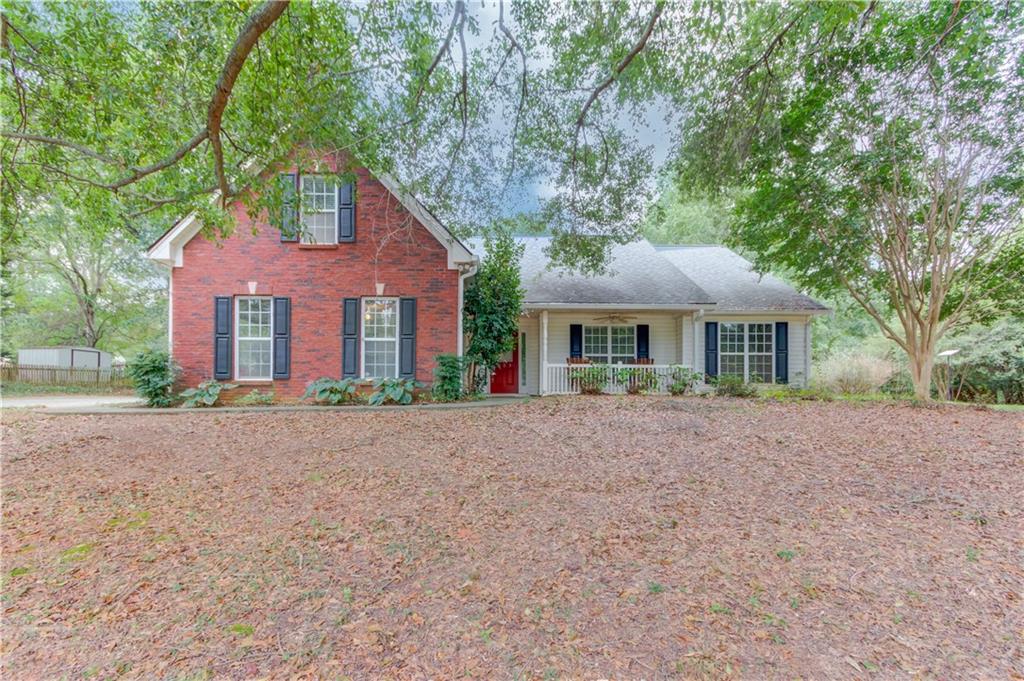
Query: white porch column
544,352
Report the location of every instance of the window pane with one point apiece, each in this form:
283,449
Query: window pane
380,318
731,337
254,358
623,348
319,208
253,333
759,338
595,343
380,359
760,368
380,338
732,365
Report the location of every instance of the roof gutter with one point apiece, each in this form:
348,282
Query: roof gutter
618,306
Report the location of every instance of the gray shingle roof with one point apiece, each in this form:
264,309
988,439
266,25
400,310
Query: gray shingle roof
733,284
637,275
642,274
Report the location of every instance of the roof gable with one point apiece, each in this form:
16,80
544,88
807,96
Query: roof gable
168,250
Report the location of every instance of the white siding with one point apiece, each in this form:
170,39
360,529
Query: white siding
531,327
798,340
664,339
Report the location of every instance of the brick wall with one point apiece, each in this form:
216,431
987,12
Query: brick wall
390,248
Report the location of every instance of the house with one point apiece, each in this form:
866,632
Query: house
360,280
700,307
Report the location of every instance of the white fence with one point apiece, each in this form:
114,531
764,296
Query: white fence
615,379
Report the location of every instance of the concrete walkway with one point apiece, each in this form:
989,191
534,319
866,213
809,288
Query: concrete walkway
131,405
69,401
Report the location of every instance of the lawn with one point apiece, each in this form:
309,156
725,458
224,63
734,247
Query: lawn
576,537
20,388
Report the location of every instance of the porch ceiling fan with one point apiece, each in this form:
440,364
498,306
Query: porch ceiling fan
615,318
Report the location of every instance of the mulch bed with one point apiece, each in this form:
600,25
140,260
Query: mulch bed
577,537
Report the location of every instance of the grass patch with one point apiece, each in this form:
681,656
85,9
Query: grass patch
19,388
76,553
1007,407
241,629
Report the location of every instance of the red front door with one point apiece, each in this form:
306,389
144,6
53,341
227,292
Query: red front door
506,374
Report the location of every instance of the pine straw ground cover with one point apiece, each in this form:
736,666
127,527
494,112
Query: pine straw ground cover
579,537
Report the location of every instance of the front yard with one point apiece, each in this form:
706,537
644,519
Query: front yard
575,537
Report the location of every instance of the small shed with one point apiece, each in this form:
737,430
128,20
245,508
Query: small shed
64,357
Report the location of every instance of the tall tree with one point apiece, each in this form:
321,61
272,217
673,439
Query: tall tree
74,284
882,145
158,108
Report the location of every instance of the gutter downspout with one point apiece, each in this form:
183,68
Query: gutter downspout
170,311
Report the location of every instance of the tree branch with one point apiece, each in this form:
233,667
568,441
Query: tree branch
257,24
659,7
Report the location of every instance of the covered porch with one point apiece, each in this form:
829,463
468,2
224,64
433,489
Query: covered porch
647,349
630,344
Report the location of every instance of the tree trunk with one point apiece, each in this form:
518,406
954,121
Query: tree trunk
921,365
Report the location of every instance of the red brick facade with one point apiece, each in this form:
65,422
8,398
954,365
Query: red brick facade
316,279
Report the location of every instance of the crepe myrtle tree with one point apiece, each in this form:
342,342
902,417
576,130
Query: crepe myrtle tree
880,151
492,304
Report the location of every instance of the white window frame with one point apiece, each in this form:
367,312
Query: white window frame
302,209
363,338
238,337
746,347
608,340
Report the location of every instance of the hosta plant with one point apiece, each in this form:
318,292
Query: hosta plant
393,391
206,395
331,390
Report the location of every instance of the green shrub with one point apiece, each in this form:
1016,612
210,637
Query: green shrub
332,391
153,374
256,398
206,395
589,379
448,378
393,391
638,380
683,380
733,386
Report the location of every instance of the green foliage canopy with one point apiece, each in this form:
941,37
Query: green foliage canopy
493,301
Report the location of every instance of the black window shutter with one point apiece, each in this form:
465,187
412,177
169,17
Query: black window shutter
282,337
782,352
350,338
575,340
288,220
711,348
643,341
346,212
407,338
222,337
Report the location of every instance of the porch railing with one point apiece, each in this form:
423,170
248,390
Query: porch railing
566,379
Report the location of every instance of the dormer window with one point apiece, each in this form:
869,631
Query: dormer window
319,210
